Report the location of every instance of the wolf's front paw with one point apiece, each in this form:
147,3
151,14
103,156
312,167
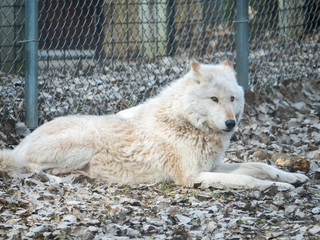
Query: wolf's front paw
283,185
300,179
296,179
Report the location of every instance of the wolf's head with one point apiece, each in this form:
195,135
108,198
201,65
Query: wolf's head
213,98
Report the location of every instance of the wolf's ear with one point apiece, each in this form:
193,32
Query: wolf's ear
195,65
227,63
197,76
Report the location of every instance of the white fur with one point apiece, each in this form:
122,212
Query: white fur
180,135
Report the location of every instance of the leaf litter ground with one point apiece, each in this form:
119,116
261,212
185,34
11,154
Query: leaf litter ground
280,127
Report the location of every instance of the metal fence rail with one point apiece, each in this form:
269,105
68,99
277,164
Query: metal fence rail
102,56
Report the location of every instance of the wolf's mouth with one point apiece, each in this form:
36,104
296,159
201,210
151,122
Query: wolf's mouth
227,130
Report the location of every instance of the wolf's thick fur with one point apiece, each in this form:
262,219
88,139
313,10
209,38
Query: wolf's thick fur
180,135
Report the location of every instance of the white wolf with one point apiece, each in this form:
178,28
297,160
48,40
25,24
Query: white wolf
180,135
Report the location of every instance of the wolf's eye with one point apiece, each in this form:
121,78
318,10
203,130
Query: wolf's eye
215,99
232,98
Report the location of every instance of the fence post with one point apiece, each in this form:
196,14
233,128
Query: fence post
31,51
171,27
242,35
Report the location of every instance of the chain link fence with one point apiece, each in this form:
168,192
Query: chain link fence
98,57
11,62
284,41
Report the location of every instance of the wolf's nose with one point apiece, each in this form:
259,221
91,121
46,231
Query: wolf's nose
230,124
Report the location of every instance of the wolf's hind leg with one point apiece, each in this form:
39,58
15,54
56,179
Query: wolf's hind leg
56,160
262,171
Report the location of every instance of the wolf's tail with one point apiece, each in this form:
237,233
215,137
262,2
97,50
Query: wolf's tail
9,160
